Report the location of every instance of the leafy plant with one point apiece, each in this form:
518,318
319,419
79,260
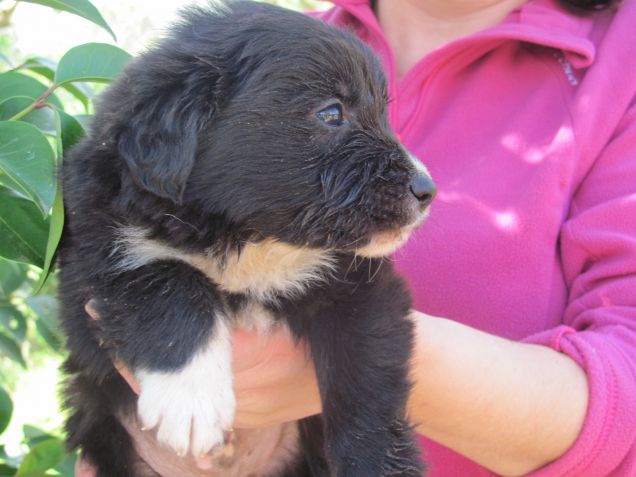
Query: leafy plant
37,99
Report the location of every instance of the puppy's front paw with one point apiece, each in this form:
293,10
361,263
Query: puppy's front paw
192,407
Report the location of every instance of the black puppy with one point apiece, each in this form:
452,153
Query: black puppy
233,176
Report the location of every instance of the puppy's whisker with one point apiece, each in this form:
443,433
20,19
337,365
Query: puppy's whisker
353,242
351,264
193,227
380,263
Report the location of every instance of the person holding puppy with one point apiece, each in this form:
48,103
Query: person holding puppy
525,114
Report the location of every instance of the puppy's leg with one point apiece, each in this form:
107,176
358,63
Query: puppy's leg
361,344
312,444
404,456
92,426
164,320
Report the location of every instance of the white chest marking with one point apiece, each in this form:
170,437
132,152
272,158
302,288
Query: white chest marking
265,268
261,270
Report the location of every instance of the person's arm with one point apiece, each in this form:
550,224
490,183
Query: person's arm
511,407
566,405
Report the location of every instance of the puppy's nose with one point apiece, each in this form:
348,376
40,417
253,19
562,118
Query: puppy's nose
424,190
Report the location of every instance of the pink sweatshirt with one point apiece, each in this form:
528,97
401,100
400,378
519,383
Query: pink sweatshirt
529,129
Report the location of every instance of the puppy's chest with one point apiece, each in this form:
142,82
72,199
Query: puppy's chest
267,271
252,315
263,271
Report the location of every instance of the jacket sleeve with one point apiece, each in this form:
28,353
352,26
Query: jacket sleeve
598,253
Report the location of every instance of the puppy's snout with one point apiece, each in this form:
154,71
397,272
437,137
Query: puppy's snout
424,190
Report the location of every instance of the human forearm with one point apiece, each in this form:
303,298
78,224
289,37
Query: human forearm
511,407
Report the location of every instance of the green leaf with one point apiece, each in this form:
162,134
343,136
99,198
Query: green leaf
46,68
72,130
81,91
6,409
5,59
27,158
59,149
84,120
91,62
41,66
46,309
7,470
31,432
17,84
55,233
34,441
52,339
23,231
12,321
12,275
9,184
67,467
10,348
42,118
41,457
82,8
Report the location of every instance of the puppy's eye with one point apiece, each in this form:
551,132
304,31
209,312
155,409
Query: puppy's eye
331,115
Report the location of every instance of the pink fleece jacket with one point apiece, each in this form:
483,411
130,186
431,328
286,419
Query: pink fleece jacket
529,130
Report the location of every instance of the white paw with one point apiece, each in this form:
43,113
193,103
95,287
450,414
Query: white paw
194,406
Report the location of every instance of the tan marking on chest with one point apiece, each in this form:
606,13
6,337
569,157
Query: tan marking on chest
265,268
262,269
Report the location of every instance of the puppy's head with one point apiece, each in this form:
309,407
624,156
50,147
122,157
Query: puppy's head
275,122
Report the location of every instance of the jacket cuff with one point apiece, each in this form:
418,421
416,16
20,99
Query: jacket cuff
605,445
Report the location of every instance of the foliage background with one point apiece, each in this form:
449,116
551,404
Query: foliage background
35,60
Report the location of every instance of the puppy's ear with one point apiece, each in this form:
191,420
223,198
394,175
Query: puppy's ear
159,144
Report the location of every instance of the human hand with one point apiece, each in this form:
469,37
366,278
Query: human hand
274,382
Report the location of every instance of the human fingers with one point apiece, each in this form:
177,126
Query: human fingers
91,310
274,380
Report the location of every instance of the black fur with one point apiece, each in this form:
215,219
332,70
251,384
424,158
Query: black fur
209,142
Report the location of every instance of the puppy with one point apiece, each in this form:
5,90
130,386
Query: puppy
241,173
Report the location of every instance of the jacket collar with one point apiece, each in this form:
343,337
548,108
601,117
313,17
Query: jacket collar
542,22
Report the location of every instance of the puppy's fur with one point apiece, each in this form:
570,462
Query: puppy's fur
231,177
